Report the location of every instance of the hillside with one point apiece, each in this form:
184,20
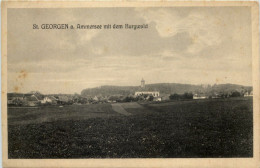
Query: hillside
164,88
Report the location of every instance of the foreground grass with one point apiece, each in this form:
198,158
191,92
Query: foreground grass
210,128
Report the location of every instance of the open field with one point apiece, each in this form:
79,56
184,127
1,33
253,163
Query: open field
181,129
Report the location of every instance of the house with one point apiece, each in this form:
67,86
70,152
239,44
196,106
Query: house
143,91
95,98
31,100
251,93
46,100
63,99
53,99
215,96
150,93
38,95
15,98
165,97
157,99
248,94
199,96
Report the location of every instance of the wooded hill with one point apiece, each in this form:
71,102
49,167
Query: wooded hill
165,88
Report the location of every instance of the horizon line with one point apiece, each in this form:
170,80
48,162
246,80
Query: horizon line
134,86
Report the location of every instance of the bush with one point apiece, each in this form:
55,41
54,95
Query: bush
187,96
236,94
151,98
174,96
129,99
184,96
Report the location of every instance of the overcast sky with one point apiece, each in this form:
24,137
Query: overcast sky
199,45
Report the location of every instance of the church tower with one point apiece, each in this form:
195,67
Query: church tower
142,83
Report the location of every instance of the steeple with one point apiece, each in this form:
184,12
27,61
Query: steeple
142,83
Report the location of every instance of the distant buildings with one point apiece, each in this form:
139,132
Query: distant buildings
14,98
247,94
141,93
95,98
199,96
154,94
46,100
34,99
157,99
144,91
30,99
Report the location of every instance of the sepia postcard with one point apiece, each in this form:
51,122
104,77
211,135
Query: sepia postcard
130,84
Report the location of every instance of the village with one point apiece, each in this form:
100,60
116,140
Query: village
137,83
35,98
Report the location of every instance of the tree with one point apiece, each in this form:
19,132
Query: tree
235,94
139,98
128,99
187,96
184,96
151,98
174,96
114,98
145,95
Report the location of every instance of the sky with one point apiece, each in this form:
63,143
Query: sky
191,45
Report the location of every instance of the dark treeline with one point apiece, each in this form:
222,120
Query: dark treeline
166,88
184,96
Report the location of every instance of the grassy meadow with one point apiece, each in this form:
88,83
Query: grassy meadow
177,129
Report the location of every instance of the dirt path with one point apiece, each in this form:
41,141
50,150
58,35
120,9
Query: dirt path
119,109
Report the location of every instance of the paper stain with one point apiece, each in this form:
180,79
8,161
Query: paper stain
218,80
220,22
194,39
22,75
105,49
16,89
168,30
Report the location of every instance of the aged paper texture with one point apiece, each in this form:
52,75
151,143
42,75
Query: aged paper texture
130,84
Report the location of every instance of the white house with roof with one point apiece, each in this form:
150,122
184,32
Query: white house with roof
199,96
154,94
248,94
46,100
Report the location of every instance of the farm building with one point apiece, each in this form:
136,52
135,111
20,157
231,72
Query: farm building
95,98
199,96
154,94
46,100
63,99
11,96
165,97
215,96
14,98
157,99
32,99
247,94
54,100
